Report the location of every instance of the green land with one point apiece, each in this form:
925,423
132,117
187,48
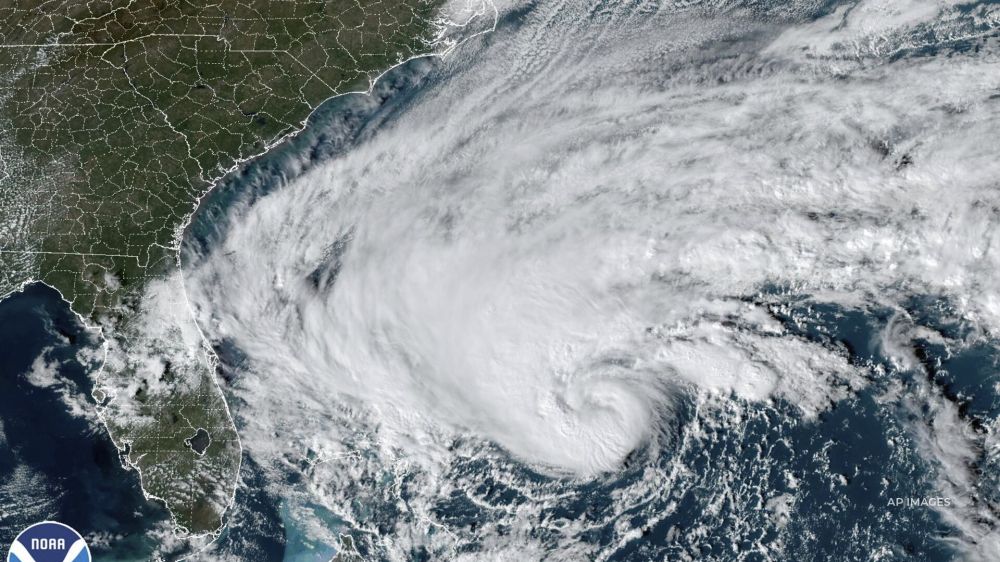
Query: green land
115,117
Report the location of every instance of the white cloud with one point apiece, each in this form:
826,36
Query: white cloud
880,28
44,373
559,235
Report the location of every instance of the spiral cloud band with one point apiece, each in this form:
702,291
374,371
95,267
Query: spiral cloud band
578,218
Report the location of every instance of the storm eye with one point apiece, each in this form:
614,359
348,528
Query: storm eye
324,275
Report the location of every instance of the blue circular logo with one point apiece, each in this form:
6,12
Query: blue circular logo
49,542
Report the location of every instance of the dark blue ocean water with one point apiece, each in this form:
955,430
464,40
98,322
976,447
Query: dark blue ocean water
68,465
842,467
70,471
54,465
261,527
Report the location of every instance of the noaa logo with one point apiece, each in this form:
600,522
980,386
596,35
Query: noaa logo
49,542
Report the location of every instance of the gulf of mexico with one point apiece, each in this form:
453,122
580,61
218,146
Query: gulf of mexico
56,460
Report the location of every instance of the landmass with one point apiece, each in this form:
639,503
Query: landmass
115,118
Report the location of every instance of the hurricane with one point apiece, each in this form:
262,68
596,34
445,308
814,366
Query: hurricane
603,236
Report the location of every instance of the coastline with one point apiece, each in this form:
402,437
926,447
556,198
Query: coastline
486,9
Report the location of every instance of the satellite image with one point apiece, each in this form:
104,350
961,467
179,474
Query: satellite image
499,280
